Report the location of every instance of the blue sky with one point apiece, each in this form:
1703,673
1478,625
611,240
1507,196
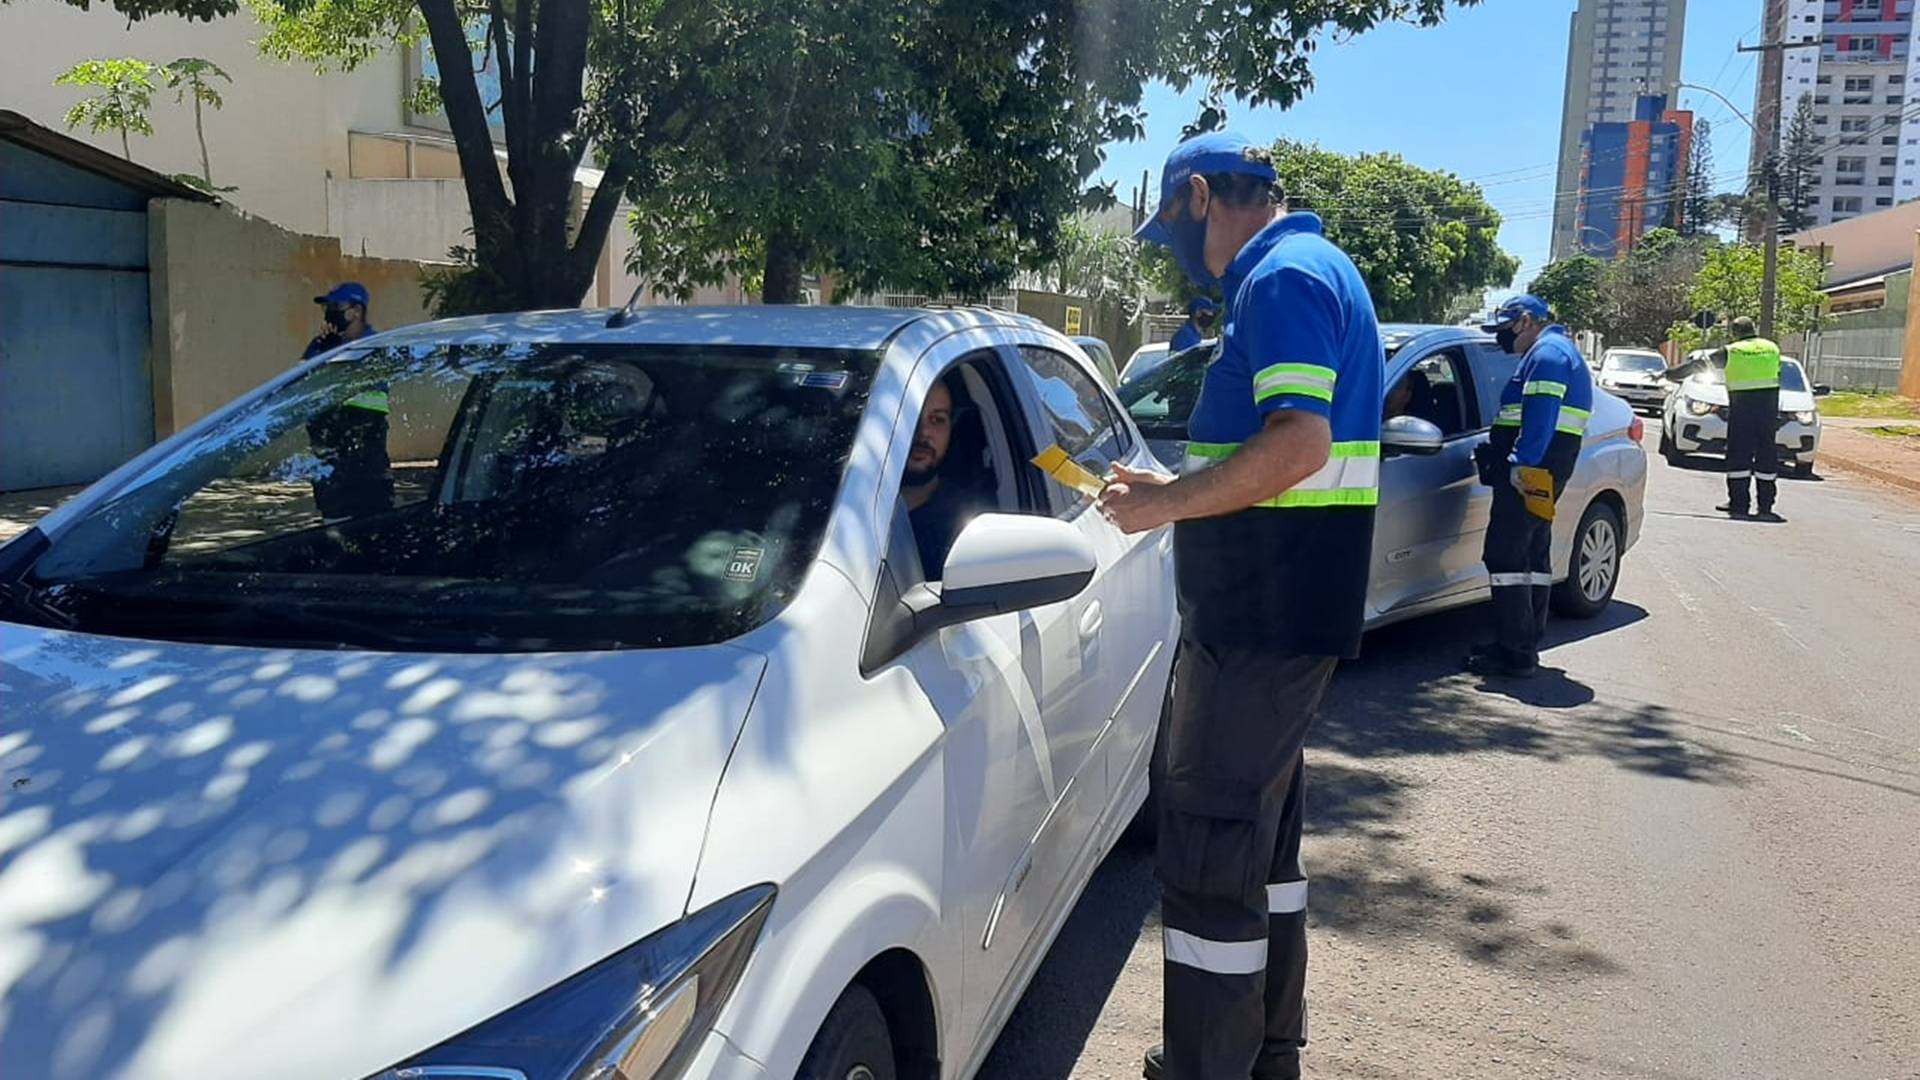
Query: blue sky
1478,96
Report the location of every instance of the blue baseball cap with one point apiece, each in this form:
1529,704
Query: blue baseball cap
1508,313
347,292
1201,303
1203,155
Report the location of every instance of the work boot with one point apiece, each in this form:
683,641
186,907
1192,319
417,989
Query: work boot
1501,664
1155,1066
1729,509
1767,514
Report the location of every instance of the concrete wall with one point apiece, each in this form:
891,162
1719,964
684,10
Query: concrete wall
233,302
1865,246
284,127
398,219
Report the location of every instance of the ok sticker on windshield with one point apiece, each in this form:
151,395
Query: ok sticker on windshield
743,564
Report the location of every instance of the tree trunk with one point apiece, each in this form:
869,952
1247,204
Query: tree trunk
785,258
206,166
126,151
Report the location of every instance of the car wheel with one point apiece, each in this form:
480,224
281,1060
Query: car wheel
1593,570
1801,470
1667,449
853,1043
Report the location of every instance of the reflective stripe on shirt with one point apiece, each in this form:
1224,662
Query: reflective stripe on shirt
1573,421
1545,386
1351,476
1509,416
1307,380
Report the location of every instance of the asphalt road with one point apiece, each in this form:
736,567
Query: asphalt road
1691,850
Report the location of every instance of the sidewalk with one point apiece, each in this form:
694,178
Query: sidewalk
1849,443
20,509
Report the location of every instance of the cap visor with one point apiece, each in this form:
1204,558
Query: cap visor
1490,327
1154,232
322,299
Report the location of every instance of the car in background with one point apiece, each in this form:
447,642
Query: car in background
617,730
1633,375
1694,417
1446,383
1145,359
1102,357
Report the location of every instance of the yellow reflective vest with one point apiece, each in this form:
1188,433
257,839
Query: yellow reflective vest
1753,364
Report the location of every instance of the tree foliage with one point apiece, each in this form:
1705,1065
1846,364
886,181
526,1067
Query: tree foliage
125,97
1695,205
1572,287
1102,265
930,145
1729,279
191,78
135,10
1420,237
1632,300
1799,169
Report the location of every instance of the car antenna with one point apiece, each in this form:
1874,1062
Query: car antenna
625,315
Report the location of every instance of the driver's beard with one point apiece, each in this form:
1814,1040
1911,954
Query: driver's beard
917,478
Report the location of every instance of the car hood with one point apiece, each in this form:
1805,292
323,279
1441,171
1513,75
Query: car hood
1635,379
1715,393
231,862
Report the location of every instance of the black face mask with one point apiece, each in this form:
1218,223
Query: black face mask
1505,338
336,318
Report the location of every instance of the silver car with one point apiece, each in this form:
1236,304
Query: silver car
1443,388
1634,376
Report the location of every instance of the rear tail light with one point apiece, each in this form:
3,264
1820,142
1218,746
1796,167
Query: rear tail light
1636,429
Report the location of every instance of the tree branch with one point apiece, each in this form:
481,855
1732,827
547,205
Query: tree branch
467,116
584,257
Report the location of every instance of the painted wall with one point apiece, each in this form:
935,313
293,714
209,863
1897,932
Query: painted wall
284,127
398,219
233,302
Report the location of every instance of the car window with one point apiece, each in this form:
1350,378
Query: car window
1082,420
1435,389
1492,369
510,498
1792,377
1641,362
1162,398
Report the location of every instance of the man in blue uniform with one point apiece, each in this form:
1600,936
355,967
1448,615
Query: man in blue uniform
1273,531
1201,314
351,438
1535,443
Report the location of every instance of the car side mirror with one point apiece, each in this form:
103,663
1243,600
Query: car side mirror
1821,389
1411,435
999,563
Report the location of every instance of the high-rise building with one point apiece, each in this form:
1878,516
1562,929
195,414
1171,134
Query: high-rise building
1866,126
1633,178
1617,52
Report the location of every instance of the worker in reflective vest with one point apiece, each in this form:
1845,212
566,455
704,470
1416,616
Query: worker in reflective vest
1753,411
1527,460
350,439
1272,532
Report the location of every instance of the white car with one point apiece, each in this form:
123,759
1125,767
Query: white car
1633,375
1694,419
615,730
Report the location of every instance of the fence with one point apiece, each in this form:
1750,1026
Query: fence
1862,358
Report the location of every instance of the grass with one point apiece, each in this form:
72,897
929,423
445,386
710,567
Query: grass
1896,431
1877,406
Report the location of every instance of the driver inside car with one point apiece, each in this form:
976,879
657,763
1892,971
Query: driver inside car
939,488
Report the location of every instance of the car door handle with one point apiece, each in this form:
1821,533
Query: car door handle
1090,620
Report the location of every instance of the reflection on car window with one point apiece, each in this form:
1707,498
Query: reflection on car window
1082,423
1791,377
1161,399
519,497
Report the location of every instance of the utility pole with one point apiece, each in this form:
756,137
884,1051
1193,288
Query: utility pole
1767,142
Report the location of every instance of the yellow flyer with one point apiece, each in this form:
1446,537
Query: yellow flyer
1055,463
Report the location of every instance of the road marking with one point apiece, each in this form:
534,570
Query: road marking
1796,733
1844,727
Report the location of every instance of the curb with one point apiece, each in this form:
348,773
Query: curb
1886,476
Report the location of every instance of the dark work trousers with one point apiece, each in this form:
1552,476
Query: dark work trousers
1752,417
358,480
1229,774
1519,557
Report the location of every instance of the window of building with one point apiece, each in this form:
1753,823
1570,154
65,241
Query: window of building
1853,123
1884,200
1886,181
1846,204
1850,165
1859,84
1896,80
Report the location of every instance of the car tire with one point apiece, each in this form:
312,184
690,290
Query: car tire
1667,448
853,1042
1801,470
1593,568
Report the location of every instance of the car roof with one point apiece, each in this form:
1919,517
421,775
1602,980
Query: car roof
823,326
1397,336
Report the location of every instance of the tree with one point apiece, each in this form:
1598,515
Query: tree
1101,265
126,95
135,10
188,76
1572,287
1799,169
938,143
1420,237
1728,283
1735,210
1648,290
1695,205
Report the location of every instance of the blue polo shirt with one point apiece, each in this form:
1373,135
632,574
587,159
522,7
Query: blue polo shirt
1549,399
1185,338
1299,333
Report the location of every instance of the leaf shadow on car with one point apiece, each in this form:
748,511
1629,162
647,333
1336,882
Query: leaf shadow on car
181,824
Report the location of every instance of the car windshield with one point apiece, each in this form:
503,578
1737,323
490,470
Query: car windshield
492,498
1792,377
1161,397
1644,362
